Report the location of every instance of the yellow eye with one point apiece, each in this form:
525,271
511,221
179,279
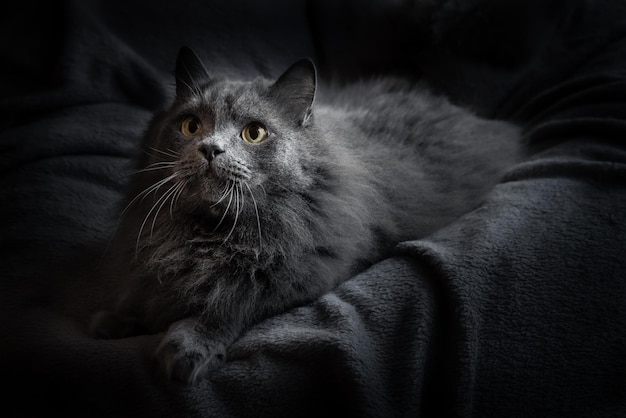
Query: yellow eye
254,133
191,127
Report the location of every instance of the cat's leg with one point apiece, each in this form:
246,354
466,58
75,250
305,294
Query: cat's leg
189,350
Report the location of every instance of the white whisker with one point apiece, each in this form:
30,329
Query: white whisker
169,152
177,195
243,200
224,194
155,166
230,200
142,195
238,208
256,211
263,188
163,198
170,193
153,188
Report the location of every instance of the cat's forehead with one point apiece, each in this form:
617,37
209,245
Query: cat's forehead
221,103
231,96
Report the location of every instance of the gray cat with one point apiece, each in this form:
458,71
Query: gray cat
255,197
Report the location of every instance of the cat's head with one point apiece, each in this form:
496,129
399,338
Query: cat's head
225,142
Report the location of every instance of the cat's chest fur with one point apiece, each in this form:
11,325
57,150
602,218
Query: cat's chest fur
262,255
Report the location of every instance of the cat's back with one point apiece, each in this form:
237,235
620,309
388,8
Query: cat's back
396,112
433,159
383,96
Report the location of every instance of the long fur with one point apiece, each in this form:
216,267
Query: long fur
265,227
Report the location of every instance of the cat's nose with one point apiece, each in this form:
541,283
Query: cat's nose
210,151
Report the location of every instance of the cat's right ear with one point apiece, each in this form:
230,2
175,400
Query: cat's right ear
190,71
295,90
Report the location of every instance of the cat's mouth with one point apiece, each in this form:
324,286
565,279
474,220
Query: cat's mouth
218,180
230,197
228,171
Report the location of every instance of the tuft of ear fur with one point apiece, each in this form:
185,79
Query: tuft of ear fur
295,90
189,71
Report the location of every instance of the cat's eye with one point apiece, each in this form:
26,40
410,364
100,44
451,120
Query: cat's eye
254,133
191,126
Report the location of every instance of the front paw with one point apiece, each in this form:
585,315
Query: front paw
187,354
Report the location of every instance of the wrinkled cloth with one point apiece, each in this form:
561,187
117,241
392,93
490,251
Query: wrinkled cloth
516,309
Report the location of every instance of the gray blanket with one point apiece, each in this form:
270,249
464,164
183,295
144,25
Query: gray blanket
516,309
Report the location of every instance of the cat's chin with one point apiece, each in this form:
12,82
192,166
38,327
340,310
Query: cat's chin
199,197
215,211
212,203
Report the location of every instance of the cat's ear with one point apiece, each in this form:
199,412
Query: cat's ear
190,71
295,90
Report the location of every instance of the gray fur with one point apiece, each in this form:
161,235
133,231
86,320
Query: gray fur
260,228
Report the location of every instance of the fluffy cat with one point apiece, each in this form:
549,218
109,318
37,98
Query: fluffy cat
255,197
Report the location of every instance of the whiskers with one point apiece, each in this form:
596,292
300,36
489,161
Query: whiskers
161,165
236,197
167,152
172,194
235,191
235,204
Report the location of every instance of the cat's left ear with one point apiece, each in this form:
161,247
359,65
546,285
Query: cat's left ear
189,72
295,90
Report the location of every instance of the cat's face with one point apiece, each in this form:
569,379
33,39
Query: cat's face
225,143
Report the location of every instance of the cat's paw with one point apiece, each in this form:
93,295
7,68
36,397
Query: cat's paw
110,325
186,354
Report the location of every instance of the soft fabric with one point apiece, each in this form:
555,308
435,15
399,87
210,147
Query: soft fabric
517,309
